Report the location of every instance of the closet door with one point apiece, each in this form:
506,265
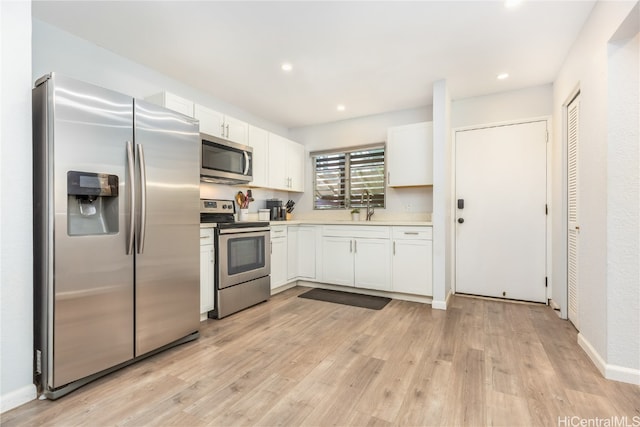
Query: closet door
573,227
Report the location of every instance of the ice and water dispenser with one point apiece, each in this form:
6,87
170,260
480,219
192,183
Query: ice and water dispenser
92,203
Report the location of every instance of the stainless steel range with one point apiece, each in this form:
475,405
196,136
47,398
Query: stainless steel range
242,260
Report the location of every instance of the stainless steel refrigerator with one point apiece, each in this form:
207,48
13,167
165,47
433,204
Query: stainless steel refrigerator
116,231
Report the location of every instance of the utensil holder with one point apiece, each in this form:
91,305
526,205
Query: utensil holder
243,215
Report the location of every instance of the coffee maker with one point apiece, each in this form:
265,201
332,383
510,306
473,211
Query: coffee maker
276,211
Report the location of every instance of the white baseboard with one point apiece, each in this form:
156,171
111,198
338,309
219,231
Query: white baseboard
284,287
18,397
610,372
442,305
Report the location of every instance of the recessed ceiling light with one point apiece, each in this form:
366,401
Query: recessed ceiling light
340,107
503,76
510,4
286,66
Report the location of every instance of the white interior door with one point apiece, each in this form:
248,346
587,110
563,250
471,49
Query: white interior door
501,211
573,229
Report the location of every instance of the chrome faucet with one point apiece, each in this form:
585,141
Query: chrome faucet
370,209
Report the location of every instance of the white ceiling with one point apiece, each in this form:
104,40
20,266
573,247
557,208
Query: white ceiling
372,57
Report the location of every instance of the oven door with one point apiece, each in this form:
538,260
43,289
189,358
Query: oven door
242,255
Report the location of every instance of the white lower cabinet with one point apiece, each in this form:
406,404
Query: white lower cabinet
278,255
337,260
412,260
306,252
362,261
372,267
386,258
207,270
292,252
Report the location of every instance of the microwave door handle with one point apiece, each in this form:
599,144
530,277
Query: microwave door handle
246,163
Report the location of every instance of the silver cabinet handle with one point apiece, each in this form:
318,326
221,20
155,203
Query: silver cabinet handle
350,246
205,237
355,246
143,198
227,131
388,177
271,248
411,233
132,196
394,247
222,129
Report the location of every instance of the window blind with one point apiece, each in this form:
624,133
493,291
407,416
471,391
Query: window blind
342,177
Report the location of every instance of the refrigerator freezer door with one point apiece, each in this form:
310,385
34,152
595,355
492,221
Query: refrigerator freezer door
167,260
90,299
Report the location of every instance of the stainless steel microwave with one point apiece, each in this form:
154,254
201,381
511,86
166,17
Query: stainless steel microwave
225,162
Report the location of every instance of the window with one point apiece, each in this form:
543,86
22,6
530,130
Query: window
341,177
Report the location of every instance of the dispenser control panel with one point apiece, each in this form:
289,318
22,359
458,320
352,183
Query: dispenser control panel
91,184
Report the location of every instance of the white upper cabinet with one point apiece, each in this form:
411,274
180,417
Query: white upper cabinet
259,141
217,124
286,164
410,155
172,102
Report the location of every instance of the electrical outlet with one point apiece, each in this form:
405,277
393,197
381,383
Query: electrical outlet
408,207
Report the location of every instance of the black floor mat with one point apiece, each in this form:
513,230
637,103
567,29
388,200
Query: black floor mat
346,298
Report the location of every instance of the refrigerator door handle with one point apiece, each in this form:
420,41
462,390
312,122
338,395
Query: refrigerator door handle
132,197
142,224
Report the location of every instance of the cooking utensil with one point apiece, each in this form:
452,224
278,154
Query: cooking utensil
240,200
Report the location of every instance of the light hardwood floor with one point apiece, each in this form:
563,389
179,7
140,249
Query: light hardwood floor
299,362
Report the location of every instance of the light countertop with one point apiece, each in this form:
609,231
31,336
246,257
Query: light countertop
386,222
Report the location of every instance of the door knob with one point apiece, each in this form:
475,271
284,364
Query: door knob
460,220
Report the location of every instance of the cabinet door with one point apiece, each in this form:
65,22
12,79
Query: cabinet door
277,162
292,252
236,130
278,262
259,141
211,122
295,166
176,103
410,155
412,267
372,264
306,252
172,102
337,265
206,278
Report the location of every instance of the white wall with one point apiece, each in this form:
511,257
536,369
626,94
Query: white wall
62,52
623,199
16,278
586,67
359,131
525,103
443,164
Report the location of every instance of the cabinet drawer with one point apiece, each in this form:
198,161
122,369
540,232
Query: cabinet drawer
357,231
278,231
206,236
408,233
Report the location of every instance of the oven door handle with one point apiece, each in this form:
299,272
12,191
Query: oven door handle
243,230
